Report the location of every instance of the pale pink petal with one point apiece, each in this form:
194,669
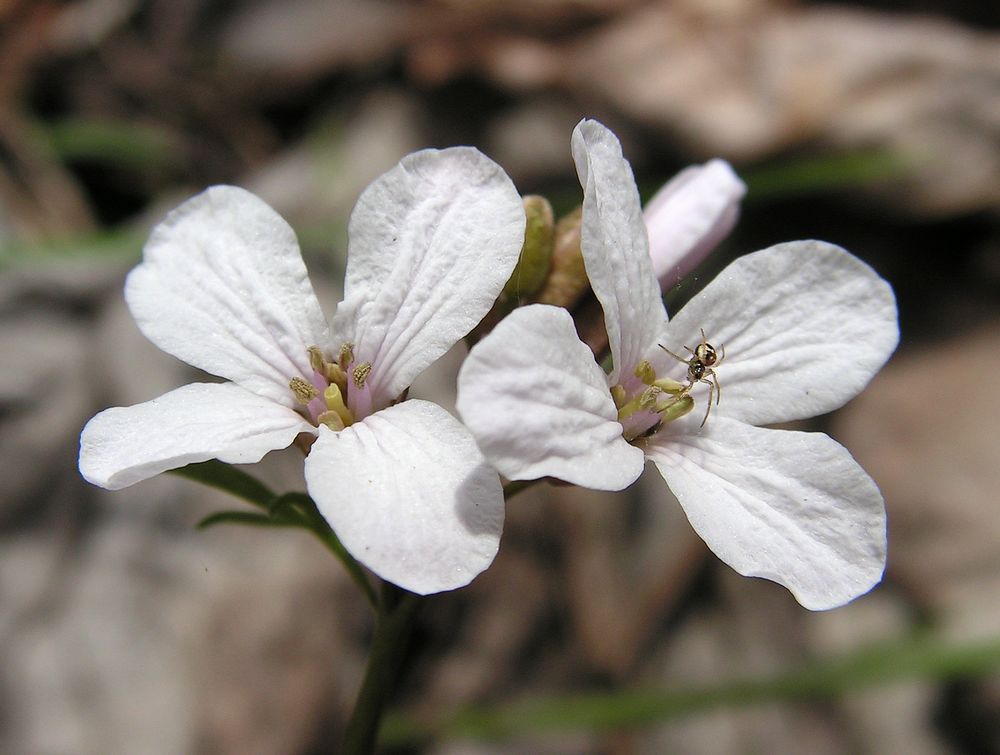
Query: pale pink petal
432,243
788,506
615,246
539,406
689,216
805,326
124,445
410,496
222,286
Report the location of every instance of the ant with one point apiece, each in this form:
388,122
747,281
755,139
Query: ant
704,358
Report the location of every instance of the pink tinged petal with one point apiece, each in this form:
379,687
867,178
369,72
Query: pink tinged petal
432,243
615,246
690,216
805,326
223,286
410,496
539,406
124,445
788,506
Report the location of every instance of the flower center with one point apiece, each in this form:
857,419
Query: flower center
325,397
646,402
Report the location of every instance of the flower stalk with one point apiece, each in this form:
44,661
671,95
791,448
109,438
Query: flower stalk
397,611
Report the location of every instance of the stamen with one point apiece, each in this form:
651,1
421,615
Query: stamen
316,359
619,395
332,420
676,408
645,372
645,401
334,374
361,373
346,356
304,392
670,386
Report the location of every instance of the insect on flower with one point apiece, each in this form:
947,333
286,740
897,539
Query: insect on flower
701,369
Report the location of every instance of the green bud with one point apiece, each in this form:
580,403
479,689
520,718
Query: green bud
536,255
568,280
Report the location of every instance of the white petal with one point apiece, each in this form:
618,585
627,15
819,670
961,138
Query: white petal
689,216
410,496
805,326
432,243
222,286
788,506
539,406
124,445
615,246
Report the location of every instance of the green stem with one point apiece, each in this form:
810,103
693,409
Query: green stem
393,626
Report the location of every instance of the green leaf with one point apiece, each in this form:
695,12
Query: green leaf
824,173
218,474
905,659
242,517
127,145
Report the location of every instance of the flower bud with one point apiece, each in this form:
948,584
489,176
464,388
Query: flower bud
536,254
568,280
690,216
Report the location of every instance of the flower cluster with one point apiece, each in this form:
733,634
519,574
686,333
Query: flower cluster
786,333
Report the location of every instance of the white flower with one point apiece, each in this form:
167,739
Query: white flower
689,216
223,286
805,326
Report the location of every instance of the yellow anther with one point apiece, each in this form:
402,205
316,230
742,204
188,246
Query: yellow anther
645,372
670,386
645,401
334,374
361,373
335,403
619,396
304,392
675,409
332,420
346,356
316,359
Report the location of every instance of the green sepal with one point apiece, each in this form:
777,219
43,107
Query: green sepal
536,255
217,474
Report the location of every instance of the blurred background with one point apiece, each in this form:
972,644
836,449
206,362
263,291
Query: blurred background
874,125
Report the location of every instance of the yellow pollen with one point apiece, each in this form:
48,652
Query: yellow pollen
304,392
316,359
361,373
346,356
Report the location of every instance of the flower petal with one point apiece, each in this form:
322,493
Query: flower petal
805,326
125,445
788,506
689,216
410,496
222,286
539,406
615,246
432,243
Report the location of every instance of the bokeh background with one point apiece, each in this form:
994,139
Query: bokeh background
875,125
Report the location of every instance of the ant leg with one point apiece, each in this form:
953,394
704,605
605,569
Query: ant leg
679,358
708,406
718,387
